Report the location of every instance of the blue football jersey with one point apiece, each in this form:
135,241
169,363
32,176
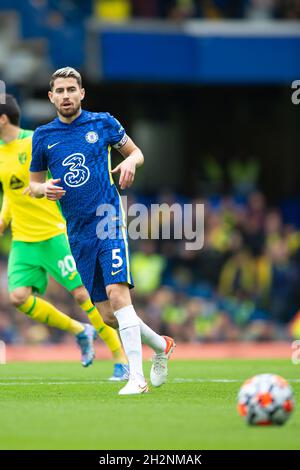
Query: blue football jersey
79,154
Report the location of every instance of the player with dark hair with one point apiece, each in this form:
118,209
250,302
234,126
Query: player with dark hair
76,148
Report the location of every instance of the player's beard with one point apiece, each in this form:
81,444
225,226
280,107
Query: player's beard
68,112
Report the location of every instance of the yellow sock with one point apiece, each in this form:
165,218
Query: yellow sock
106,333
42,311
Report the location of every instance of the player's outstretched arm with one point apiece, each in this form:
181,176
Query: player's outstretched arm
133,159
40,188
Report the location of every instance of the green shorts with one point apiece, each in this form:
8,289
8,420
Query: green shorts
30,263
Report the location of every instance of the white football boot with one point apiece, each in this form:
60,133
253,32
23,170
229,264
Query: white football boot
134,387
159,369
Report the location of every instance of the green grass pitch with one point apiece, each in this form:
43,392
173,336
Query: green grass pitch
63,406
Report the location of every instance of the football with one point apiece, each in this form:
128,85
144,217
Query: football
266,399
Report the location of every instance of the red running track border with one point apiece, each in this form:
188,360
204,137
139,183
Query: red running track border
237,350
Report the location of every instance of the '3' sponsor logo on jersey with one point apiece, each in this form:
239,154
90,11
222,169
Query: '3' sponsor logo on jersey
79,174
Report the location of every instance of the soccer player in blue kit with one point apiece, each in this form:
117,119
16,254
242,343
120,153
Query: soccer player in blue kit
75,147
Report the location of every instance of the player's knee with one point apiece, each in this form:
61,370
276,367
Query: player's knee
19,296
105,310
118,295
80,294
110,319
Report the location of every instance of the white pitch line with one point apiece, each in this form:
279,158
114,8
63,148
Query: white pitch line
205,380
97,382
42,379
195,380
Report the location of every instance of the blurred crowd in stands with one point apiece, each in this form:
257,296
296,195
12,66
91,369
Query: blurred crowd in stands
178,9
56,12
174,9
216,9
37,34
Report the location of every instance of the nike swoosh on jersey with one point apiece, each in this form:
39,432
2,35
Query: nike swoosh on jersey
113,273
52,145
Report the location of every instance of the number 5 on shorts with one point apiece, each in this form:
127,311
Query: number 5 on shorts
117,260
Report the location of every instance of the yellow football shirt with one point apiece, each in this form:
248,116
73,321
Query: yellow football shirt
32,220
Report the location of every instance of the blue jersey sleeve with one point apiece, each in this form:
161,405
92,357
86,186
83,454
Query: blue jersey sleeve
39,159
115,132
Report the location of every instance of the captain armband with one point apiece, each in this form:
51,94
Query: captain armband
122,142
